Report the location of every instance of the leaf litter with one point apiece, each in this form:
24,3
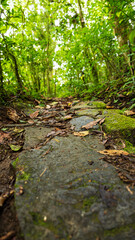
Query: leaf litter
58,116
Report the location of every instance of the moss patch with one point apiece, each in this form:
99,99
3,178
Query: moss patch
57,228
129,147
86,203
14,163
97,104
115,231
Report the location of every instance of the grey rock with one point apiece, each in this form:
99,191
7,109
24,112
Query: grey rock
62,198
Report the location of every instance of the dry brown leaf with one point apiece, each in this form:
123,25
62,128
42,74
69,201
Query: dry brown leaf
113,152
2,200
12,114
8,236
48,107
109,107
21,191
57,129
5,196
92,124
40,107
129,113
81,134
102,121
68,117
37,101
34,115
4,135
30,121
52,133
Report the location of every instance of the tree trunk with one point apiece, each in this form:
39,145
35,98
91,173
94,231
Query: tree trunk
11,55
19,81
87,51
1,81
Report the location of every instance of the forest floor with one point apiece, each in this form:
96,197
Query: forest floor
65,172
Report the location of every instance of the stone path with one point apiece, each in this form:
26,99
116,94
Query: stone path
69,192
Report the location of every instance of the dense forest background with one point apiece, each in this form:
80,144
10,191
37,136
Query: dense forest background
68,47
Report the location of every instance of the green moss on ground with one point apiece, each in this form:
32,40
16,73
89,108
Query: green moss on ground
86,203
14,163
97,104
129,147
115,231
57,228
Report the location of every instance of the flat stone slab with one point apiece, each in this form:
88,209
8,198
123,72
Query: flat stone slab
70,193
90,104
81,121
88,112
34,136
80,105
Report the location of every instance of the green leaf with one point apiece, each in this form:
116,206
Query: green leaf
15,148
132,36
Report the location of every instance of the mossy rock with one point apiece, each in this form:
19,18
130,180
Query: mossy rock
119,125
88,112
97,105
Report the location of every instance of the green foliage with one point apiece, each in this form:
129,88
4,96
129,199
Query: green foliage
47,50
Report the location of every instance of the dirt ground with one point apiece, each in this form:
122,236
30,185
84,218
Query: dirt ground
9,225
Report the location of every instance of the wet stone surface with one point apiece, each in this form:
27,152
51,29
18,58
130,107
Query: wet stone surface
89,112
70,193
81,121
33,136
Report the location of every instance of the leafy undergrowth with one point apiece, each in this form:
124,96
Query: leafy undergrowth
115,93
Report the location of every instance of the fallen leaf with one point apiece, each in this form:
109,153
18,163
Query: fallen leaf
15,148
129,113
48,107
4,135
34,115
57,129
30,121
8,236
81,134
21,191
4,197
110,107
37,101
12,114
69,104
56,140
51,133
2,200
91,124
102,121
40,107
68,117
123,145
18,130
113,152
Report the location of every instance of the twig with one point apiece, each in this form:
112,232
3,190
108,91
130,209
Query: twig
41,175
129,190
18,125
46,152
